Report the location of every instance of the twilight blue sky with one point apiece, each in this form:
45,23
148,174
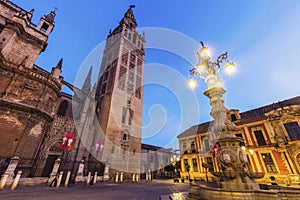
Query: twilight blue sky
261,36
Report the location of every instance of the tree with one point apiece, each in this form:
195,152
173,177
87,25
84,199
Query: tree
206,166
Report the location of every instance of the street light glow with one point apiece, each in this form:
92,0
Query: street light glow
192,83
201,68
204,53
230,68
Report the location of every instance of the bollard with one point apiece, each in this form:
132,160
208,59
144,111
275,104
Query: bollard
95,177
117,177
59,179
16,180
133,178
67,179
121,177
137,178
88,178
150,178
3,181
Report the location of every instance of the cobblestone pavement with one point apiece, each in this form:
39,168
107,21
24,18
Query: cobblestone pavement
101,191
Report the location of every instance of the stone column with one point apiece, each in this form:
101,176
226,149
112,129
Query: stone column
79,175
106,172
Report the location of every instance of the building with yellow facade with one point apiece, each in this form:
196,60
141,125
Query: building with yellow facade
271,143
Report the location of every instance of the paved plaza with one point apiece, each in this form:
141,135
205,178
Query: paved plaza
101,191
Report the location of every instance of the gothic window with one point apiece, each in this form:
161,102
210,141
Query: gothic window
270,166
195,165
125,137
293,130
209,161
63,106
260,138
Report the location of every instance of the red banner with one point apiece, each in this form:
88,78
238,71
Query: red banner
215,150
64,140
99,146
70,142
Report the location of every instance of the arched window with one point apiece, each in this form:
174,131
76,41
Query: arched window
125,137
63,106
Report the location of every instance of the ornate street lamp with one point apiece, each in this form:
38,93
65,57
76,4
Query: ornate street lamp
208,70
230,156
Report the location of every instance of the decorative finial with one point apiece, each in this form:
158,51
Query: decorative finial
132,6
59,64
202,44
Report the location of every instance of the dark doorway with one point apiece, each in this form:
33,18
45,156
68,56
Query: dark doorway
49,165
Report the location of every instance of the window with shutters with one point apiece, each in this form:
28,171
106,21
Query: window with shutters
270,166
293,130
260,138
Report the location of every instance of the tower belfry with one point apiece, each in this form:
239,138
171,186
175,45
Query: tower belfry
119,96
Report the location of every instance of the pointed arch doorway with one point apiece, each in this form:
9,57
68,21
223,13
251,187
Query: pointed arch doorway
54,152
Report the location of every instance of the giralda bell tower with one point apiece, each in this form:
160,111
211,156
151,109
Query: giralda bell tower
119,97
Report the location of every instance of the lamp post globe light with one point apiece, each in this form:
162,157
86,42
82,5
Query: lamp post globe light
229,155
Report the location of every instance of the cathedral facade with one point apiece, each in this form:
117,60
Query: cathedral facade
37,122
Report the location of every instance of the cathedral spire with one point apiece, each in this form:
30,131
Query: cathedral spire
87,83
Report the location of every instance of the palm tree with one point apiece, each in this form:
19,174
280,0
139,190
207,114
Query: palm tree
206,166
